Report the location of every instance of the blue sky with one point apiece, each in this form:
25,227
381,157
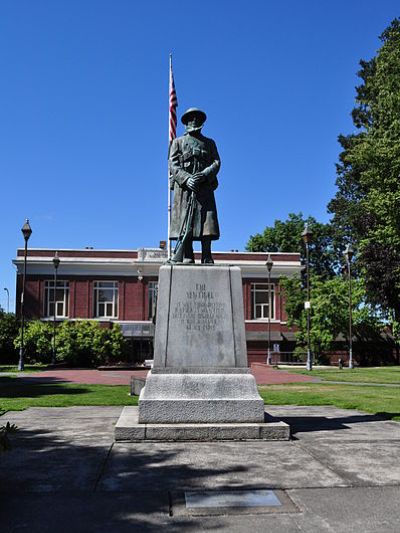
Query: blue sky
84,112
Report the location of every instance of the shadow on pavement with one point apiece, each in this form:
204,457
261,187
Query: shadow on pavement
30,387
58,479
321,423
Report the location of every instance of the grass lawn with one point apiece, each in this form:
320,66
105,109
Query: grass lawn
28,368
16,395
386,374
382,400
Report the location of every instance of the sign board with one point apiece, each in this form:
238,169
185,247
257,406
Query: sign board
152,254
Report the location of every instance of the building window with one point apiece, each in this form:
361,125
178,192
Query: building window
56,299
152,299
261,309
105,299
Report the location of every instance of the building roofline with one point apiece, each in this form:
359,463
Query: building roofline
55,249
101,260
89,250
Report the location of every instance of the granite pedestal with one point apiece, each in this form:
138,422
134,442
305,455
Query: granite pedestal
200,376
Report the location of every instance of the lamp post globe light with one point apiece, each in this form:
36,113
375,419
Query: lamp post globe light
349,253
269,264
56,264
307,236
26,232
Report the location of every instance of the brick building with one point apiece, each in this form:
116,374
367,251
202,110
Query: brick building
120,286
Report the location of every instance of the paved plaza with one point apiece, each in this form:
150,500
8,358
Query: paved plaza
339,473
264,375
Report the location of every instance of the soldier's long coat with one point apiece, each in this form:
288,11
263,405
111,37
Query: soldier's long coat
190,154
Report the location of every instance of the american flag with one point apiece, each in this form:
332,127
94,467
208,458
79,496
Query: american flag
173,104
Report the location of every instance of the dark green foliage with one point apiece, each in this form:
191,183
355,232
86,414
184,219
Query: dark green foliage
367,203
329,290
285,236
8,332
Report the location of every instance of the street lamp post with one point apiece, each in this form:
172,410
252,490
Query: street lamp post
269,265
56,263
307,236
8,299
26,232
349,253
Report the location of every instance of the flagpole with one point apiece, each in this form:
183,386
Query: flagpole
172,122
169,145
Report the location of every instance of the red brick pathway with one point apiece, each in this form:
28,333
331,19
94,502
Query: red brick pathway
264,376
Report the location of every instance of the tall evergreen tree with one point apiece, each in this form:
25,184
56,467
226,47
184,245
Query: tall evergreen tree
366,207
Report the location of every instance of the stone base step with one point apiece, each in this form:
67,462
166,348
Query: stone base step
129,429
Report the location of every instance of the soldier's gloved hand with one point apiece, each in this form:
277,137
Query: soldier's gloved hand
192,184
199,177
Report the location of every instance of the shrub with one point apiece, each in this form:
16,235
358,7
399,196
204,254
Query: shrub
80,343
5,444
38,338
8,333
86,343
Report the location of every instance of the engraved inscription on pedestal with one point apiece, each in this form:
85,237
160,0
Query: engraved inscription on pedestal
201,311
200,320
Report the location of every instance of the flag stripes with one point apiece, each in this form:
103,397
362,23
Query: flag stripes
173,104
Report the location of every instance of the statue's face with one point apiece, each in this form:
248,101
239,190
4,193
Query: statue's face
194,123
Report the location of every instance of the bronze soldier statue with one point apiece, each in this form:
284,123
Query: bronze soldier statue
193,167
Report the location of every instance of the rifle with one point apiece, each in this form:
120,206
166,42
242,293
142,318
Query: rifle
186,231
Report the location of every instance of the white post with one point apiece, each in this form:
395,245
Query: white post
169,220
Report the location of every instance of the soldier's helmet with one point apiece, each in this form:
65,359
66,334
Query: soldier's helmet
190,113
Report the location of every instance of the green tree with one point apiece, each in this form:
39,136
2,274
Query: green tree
330,315
366,206
329,290
285,236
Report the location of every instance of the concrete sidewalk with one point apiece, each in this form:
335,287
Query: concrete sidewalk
340,473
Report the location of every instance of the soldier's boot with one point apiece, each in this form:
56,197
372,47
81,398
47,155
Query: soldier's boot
206,256
188,254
